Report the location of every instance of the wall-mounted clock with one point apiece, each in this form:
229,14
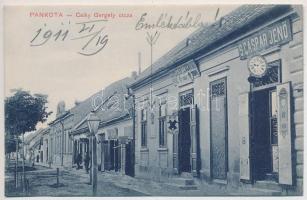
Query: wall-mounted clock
257,66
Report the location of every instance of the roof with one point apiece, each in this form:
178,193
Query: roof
108,104
115,104
33,136
208,35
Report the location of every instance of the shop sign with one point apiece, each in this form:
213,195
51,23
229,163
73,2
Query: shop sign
277,34
172,123
284,134
185,73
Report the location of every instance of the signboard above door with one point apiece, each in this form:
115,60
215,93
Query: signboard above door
277,34
185,73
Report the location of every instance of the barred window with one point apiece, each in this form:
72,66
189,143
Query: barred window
162,125
186,98
143,128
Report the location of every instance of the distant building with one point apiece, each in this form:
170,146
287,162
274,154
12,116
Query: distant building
227,106
115,130
59,142
35,151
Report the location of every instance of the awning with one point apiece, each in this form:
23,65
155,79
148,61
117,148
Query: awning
128,132
79,136
112,134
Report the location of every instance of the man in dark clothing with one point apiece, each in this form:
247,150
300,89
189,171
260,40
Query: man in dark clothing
79,160
87,160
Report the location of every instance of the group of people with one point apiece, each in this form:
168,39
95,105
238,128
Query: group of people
86,160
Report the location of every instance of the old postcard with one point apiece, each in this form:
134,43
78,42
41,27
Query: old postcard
153,100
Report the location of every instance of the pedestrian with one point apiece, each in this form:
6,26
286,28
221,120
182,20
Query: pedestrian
87,162
79,160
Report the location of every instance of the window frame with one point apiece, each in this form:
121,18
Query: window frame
162,119
143,128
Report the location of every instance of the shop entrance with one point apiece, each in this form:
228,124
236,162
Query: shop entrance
264,134
184,140
114,155
129,168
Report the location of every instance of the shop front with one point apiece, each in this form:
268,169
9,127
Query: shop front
115,148
233,110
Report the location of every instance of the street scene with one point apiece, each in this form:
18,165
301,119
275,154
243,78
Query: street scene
154,101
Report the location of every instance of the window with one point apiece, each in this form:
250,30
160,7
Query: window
162,125
143,128
186,98
271,78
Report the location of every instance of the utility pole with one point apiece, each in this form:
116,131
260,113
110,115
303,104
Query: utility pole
93,125
151,40
90,152
62,144
16,164
23,163
94,165
133,136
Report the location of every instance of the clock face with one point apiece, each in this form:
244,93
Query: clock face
257,66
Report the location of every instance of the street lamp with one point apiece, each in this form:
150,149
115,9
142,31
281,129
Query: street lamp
93,125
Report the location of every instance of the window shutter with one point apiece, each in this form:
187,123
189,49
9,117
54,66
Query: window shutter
284,133
193,131
173,115
244,129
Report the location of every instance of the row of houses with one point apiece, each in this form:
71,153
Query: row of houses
224,106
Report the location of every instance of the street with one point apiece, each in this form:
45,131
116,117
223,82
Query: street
42,182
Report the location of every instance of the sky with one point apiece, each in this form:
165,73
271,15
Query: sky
36,61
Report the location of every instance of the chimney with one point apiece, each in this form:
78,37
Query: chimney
77,102
139,62
134,75
60,108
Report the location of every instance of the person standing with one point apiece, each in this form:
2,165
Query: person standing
87,160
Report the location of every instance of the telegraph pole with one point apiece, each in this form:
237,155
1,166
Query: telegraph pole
16,164
94,165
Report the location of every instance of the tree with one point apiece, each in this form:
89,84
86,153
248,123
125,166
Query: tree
9,144
22,113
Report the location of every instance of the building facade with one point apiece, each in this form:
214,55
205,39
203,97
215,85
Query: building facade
59,142
114,137
35,147
226,104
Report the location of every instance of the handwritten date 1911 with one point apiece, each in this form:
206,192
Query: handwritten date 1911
91,33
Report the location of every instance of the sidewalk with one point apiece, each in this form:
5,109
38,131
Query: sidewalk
153,188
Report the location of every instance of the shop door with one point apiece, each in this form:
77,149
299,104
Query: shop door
184,140
265,135
107,159
102,154
112,154
117,156
218,124
129,161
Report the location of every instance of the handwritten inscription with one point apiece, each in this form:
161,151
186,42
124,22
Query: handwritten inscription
166,21
91,34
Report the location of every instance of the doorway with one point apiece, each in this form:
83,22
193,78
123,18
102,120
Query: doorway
264,135
218,128
184,140
129,168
